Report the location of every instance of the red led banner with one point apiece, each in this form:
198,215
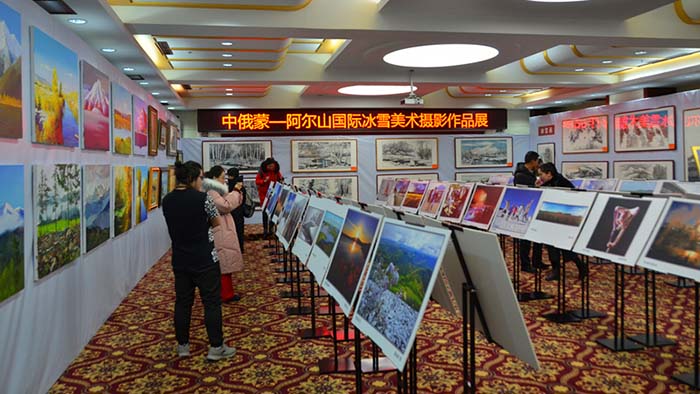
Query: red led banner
317,121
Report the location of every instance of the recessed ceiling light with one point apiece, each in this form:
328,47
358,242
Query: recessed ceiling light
558,102
171,108
163,102
556,1
227,43
229,94
108,50
226,55
77,21
639,53
128,69
144,83
228,65
375,90
440,55
607,61
502,90
229,90
530,107
488,95
155,94
579,69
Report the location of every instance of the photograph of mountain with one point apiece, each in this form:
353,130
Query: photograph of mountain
351,255
153,138
11,231
10,73
341,186
123,198
280,204
328,234
284,214
121,115
140,194
56,188
516,211
96,108
676,241
272,200
564,214
455,201
97,191
646,130
140,126
293,219
153,187
483,206
309,227
643,170
585,135
55,79
483,152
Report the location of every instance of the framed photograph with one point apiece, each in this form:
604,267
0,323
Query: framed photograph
691,139
645,130
406,153
516,210
153,128
560,216
140,121
584,169
643,170
546,152
171,140
483,152
153,187
339,186
244,155
324,155
478,177
585,135
162,133
483,206
429,176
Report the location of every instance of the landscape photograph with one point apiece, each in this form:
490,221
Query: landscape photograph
57,214
352,252
336,186
564,214
546,152
407,153
483,205
594,169
414,195
274,197
141,194
328,234
396,286
455,201
677,240
295,214
599,184
96,108
11,231
324,155
244,155
153,185
636,186
97,190
483,152
140,125
286,210
10,73
163,184
55,79
309,227
585,135
123,198
432,201
618,225
121,117
516,211
478,177
280,202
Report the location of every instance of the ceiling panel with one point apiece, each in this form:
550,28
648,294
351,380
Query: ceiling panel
273,44
220,65
235,55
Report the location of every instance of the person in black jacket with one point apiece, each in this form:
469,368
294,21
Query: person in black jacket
551,178
234,177
526,175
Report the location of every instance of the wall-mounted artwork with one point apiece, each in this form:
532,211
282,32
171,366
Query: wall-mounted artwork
455,202
516,211
337,186
324,155
478,177
584,169
691,138
121,120
153,187
123,198
140,127
403,269
651,129
546,152
406,153
585,135
11,75
140,194
483,152
172,181
162,133
96,108
11,230
244,155
57,216
171,140
153,138
163,184
643,170
56,94
97,192
483,206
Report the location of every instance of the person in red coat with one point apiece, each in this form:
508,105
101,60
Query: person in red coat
269,172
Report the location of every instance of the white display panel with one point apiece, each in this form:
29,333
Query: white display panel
434,196
350,257
515,212
483,206
673,247
560,217
308,229
293,219
403,269
326,238
273,197
618,227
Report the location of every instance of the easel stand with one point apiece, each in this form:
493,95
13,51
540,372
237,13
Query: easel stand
633,271
681,283
586,312
406,381
537,294
299,310
561,315
288,278
692,379
336,364
618,342
650,338
468,338
315,332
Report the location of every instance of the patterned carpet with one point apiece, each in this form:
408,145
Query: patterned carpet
133,352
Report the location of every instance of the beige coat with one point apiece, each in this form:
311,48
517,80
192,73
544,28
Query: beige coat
225,237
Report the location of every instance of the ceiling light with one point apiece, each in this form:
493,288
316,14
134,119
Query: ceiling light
228,65
171,108
108,50
530,107
226,55
144,83
502,90
558,102
578,70
163,102
607,61
77,21
440,55
229,94
639,53
155,94
227,43
375,90
128,69
229,90
556,1
488,95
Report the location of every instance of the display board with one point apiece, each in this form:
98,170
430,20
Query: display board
293,219
271,204
310,224
600,185
560,217
403,269
385,188
326,238
414,196
515,212
434,196
627,186
349,262
455,201
286,190
246,156
12,225
483,206
618,227
284,215
400,187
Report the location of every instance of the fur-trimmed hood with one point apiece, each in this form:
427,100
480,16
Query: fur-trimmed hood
211,184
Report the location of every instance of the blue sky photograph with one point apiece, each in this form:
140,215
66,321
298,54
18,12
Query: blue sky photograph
522,197
12,20
575,210
49,53
428,243
637,186
13,190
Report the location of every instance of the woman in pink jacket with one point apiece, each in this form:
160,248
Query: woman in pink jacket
225,237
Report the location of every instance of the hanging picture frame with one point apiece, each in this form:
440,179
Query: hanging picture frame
406,153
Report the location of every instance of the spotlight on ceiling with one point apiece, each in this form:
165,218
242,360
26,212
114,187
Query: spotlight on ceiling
227,43
640,53
77,21
144,83
128,69
226,55
155,94
578,70
607,61
108,50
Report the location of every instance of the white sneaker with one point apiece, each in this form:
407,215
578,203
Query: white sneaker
221,352
183,350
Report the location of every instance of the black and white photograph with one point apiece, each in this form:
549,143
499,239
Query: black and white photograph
691,140
643,170
337,186
546,152
646,130
584,169
483,152
585,135
406,153
251,191
324,155
244,155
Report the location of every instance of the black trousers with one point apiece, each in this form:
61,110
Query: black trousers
266,224
209,285
239,221
525,261
555,255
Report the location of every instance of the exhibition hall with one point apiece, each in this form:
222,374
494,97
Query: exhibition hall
356,196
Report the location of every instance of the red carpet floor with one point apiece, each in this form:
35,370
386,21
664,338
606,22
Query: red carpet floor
134,351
